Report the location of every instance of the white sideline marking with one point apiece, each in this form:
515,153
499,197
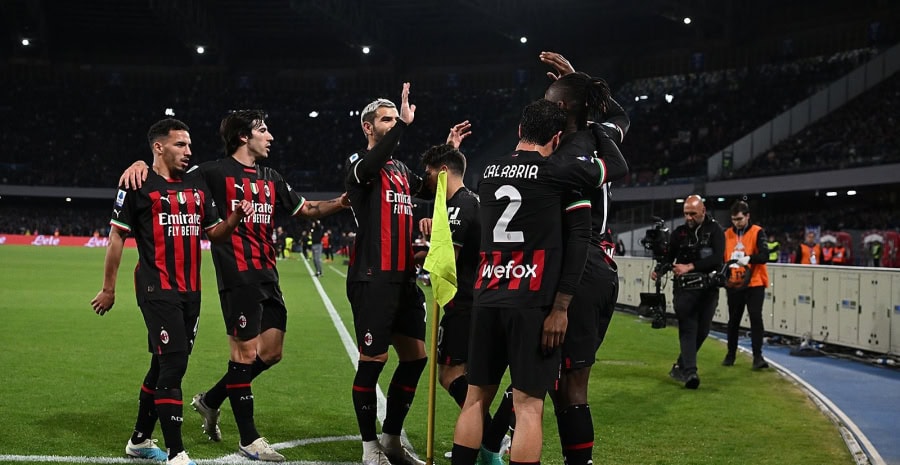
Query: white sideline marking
228,459
826,404
339,272
352,350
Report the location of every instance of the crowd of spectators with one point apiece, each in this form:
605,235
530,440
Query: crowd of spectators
679,121
40,218
864,132
83,129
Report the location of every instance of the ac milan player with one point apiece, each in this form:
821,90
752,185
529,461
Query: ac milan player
252,303
165,216
530,202
592,307
388,306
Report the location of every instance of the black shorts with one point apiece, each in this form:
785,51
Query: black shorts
171,326
381,310
589,314
511,337
250,310
453,336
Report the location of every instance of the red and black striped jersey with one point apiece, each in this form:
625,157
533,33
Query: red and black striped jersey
249,257
383,210
524,198
165,217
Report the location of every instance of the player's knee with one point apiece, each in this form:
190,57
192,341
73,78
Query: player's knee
270,357
449,373
172,368
243,351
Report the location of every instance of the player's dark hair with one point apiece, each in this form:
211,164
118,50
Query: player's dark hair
237,124
740,207
445,154
161,129
541,120
585,95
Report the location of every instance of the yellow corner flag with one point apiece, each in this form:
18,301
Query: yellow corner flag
441,259
441,263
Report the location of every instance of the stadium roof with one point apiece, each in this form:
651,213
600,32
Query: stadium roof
330,33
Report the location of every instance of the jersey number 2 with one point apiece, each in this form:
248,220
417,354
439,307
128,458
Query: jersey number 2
501,234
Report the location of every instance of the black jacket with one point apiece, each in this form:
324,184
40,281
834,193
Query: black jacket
703,246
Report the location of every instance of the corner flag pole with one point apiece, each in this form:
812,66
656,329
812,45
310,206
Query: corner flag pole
441,264
432,381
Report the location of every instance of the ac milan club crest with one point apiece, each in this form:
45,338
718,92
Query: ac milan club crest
164,337
266,190
242,321
367,339
196,197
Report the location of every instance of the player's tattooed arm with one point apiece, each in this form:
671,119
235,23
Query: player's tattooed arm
320,208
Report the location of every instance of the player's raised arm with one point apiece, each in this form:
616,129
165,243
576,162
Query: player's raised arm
383,126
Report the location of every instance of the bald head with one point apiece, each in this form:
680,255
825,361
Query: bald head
694,210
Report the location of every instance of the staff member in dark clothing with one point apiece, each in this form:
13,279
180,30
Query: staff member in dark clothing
696,249
315,234
747,281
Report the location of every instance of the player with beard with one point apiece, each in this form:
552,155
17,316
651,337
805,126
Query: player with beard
252,303
165,216
388,307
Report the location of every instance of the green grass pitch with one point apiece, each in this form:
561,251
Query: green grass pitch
71,379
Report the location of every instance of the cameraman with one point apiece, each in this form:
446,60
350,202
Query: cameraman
696,250
747,281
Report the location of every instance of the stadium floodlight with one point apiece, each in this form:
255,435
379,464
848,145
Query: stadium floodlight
851,192
679,200
68,199
523,40
669,98
313,114
721,199
201,50
687,20
643,97
169,112
26,42
831,194
366,49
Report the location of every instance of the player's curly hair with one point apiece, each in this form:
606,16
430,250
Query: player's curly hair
587,96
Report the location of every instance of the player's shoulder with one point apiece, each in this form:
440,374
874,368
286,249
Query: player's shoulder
465,198
355,158
269,173
577,144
